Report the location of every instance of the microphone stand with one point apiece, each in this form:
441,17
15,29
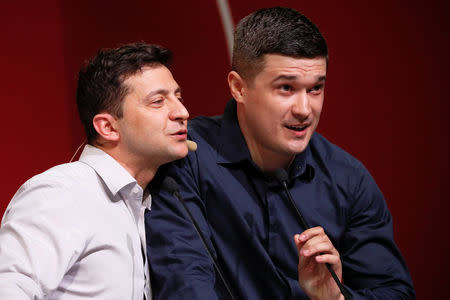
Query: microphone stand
282,177
170,185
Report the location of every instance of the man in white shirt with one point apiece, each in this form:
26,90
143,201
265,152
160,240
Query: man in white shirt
76,231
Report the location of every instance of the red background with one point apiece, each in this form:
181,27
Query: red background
386,100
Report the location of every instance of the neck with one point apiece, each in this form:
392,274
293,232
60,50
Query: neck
142,170
268,161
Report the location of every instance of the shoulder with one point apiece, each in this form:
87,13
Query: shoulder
205,128
326,154
64,178
206,132
339,168
336,167
68,174
62,188
51,208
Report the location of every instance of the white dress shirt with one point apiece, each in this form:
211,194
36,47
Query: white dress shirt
76,231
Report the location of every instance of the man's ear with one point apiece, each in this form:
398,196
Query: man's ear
106,127
237,86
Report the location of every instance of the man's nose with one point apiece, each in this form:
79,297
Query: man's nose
302,106
178,111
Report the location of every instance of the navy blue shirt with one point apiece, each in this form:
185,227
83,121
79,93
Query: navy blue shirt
248,222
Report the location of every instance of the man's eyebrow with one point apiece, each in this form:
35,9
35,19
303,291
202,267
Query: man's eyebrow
294,77
285,77
156,92
162,92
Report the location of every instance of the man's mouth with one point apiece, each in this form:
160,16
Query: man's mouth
181,132
297,127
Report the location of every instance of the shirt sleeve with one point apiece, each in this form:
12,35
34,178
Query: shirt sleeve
37,246
372,264
179,263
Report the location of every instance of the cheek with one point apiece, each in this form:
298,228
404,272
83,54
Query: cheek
160,124
266,110
317,113
317,108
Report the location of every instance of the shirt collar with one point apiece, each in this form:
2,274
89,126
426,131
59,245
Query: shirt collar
300,167
110,171
234,150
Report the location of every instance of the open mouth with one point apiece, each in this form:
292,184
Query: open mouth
297,128
181,132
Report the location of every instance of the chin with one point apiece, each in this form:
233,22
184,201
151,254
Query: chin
182,152
300,146
297,149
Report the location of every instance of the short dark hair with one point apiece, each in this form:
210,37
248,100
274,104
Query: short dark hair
101,81
276,30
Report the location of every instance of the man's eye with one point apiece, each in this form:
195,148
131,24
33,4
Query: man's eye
158,101
181,99
286,88
316,89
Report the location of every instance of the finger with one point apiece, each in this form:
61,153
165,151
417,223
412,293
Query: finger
312,235
309,233
298,242
301,239
327,258
316,248
316,239
319,237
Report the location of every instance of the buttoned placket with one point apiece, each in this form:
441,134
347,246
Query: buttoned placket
137,205
146,204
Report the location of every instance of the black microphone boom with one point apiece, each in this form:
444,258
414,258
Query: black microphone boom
282,177
169,184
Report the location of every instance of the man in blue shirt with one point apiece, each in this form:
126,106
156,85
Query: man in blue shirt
277,82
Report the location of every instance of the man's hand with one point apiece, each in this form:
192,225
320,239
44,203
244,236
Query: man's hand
314,250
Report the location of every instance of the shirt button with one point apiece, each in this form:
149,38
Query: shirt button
135,190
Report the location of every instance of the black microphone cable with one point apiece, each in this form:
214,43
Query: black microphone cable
170,185
282,177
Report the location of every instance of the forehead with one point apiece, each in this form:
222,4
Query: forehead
150,77
275,65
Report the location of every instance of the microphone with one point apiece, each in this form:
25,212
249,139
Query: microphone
192,146
282,177
169,184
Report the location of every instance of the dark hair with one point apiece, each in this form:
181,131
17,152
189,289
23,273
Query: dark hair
100,81
276,30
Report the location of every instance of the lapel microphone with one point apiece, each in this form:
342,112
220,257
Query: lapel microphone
282,177
169,184
192,146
